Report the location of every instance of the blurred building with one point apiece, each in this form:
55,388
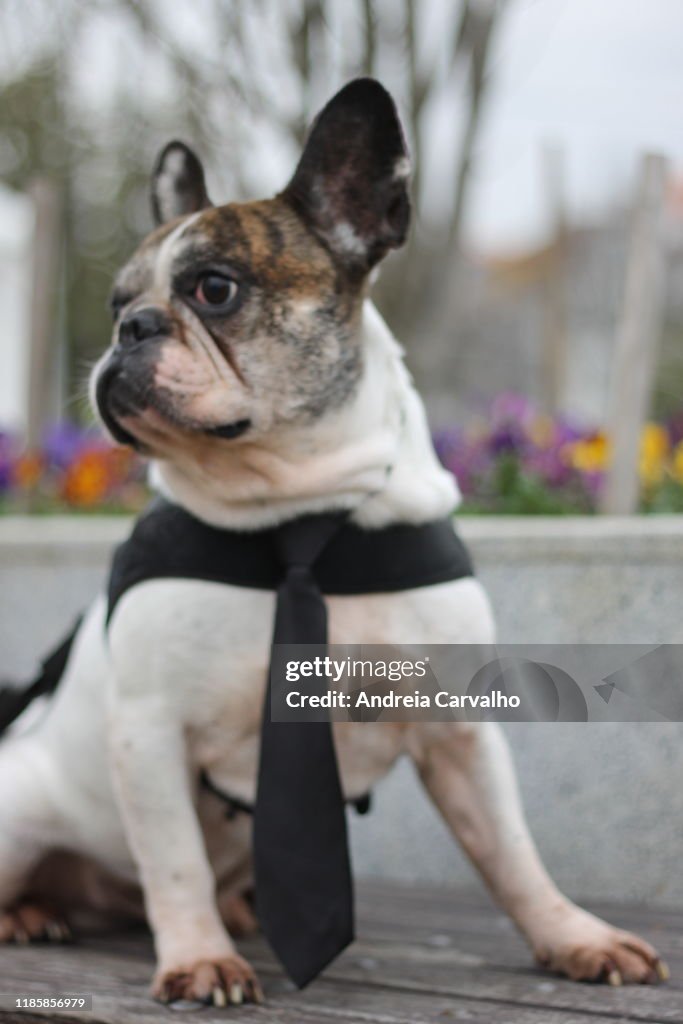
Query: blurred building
505,314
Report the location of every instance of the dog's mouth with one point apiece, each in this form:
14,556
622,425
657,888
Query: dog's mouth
110,408
229,430
121,400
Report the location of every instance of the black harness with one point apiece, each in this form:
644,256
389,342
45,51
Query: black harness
169,543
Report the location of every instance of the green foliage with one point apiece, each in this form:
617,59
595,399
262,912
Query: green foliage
666,498
512,490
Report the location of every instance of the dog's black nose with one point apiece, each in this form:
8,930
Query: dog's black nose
143,324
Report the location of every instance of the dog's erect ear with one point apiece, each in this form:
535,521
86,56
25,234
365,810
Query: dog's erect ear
178,186
351,184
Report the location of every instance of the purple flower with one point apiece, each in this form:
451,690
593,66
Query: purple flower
675,427
447,442
5,474
64,442
593,482
465,456
8,453
550,466
507,438
509,407
566,431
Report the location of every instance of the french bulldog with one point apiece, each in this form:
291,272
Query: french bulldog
248,363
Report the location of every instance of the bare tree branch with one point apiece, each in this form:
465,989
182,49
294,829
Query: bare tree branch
303,44
370,37
418,89
476,31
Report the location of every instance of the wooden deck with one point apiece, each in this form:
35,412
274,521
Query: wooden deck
423,955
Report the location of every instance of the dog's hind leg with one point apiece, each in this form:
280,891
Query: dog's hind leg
29,825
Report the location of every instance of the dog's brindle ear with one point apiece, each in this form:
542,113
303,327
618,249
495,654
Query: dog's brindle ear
178,186
351,184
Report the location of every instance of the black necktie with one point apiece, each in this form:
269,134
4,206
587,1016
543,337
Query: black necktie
301,859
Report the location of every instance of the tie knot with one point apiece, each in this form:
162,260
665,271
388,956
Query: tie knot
298,573
299,542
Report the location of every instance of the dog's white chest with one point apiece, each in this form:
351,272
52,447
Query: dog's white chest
229,698
202,649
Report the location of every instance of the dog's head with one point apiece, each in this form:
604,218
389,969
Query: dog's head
238,321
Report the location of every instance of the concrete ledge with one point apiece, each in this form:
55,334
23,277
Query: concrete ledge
604,800
41,538
647,537
575,538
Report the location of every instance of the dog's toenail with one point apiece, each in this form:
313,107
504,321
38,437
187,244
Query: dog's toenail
236,994
219,997
663,972
614,979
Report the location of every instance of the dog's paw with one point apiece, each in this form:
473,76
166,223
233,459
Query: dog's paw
587,949
32,922
218,982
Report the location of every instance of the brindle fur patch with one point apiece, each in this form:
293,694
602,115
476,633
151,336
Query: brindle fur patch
294,332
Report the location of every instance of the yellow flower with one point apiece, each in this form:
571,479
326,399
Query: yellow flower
542,431
590,455
654,449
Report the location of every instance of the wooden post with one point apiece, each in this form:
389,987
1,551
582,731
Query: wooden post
46,258
637,342
554,285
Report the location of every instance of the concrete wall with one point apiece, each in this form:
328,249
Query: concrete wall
605,801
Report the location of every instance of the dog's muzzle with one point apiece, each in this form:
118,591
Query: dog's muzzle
143,325
120,389
124,385
114,399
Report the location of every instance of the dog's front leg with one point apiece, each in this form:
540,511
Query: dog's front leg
468,771
196,957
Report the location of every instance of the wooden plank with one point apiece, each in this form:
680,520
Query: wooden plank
416,961
119,985
392,974
637,342
366,1004
426,905
373,964
487,932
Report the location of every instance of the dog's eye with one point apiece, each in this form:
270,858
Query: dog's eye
215,290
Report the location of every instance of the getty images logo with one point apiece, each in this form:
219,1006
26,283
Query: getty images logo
546,693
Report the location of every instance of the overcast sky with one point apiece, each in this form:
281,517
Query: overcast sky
601,78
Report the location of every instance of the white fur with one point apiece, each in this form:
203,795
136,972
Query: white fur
167,249
402,168
166,182
344,238
177,684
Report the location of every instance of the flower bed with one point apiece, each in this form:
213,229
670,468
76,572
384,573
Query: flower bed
75,469
512,460
509,459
